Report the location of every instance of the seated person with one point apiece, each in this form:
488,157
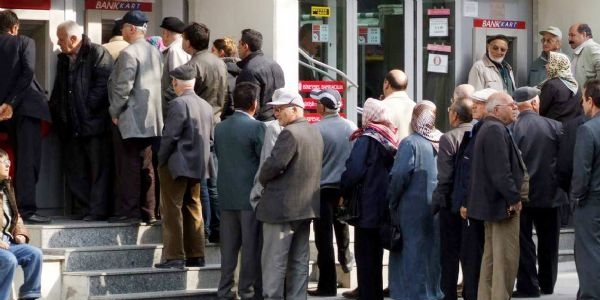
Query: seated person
14,249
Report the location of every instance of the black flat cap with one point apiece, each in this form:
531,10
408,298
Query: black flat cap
135,17
173,24
183,72
497,37
525,93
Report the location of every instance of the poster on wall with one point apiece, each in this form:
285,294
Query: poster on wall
320,33
437,63
438,27
369,35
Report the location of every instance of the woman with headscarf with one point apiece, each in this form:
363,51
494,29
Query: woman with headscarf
368,165
492,70
560,98
414,271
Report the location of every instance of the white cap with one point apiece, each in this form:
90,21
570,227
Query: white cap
483,95
285,96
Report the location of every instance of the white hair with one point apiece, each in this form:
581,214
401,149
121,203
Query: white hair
331,110
492,102
71,28
142,29
186,83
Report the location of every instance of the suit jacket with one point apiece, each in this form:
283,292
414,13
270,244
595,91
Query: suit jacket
538,139
134,91
400,107
18,86
185,144
448,149
587,64
496,174
585,184
238,142
211,80
291,175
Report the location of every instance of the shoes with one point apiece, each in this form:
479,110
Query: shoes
195,262
123,219
93,218
319,293
518,294
386,292
37,219
171,264
352,294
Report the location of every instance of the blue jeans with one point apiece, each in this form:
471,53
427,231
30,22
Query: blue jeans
30,259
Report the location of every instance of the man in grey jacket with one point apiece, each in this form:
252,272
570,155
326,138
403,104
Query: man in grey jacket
585,63
134,92
291,177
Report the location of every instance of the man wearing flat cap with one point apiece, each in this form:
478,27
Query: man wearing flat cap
134,93
290,199
336,132
538,139
174,56
492,71
551,40
182,161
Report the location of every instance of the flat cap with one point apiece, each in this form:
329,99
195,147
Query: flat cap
286,97
135,17
525,93
552,30
330,98
173,24
483,95
183,72
496,37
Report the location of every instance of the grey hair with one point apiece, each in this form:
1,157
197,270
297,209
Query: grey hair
72,28
142,29
186,83
331,110
491,103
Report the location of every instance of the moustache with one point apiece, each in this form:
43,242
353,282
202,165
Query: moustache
571,42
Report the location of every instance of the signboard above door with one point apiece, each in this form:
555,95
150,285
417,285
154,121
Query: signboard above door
119,5
26,4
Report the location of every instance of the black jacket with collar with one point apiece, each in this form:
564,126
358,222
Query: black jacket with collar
79,101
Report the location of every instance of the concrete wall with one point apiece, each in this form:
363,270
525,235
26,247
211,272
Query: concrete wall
277,20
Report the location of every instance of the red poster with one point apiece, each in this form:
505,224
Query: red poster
118,5
311,104
315,117
26,4
307,86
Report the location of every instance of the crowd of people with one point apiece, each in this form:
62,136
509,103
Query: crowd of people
215,147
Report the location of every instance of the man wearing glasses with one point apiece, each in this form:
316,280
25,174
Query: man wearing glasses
551,40
492,70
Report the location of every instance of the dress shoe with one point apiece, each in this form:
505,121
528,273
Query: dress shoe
123,219
352,294
94,218
519,294
171,264
195,262
319,293
37,219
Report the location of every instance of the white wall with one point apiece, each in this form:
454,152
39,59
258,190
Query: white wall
277,20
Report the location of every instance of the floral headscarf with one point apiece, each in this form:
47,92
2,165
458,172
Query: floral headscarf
423,122
377,123
559,66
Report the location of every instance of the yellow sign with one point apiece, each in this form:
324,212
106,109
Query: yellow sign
320,11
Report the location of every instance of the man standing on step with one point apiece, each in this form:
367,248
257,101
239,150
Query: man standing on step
182,161
238,143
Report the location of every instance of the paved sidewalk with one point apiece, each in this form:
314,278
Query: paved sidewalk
566,285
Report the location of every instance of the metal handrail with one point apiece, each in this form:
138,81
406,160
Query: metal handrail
318,63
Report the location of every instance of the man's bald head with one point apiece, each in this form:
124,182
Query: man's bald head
463,91
397,80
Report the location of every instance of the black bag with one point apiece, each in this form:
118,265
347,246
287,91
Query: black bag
349,211
391,236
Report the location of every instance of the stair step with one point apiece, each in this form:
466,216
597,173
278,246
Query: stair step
120,257
68,234
82,285
201,294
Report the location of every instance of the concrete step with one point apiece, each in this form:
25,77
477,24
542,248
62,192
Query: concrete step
70,234
119,257
82,285
201,294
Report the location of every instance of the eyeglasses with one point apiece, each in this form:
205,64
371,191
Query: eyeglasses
281,107
512,104
5,162
549,41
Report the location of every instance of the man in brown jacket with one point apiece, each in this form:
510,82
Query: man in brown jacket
14,249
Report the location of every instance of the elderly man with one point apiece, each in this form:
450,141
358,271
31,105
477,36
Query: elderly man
397,101
460,116
174,56
538,139
492,71
495,197
551,40
462,91
260,70
79,105
585,193
336,132
182,161
134,92
585,63
238,143
290,200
